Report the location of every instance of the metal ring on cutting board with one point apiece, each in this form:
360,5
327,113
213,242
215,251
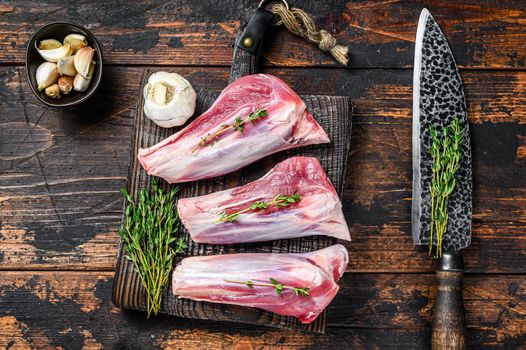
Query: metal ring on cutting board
265,1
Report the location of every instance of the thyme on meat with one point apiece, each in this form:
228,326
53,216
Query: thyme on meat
279,201
238,125
445,153
278,287
149,234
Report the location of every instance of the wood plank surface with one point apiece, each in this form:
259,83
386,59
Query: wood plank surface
83,205
60,171
487,34
372,311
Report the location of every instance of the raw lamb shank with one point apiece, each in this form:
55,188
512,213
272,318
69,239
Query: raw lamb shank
294,199
255,116
300,285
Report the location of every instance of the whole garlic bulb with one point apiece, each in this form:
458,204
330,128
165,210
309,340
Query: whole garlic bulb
169,99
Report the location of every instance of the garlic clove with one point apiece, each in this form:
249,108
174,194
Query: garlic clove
65,84
66,66
53,55
169,99
76,41
80,83
83,60
159,93
53,91
49,44
47,74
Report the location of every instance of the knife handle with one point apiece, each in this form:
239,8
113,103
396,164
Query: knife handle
449,322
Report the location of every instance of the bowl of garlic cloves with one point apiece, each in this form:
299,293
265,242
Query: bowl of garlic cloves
63,64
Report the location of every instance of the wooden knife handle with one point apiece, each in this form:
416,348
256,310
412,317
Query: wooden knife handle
449,322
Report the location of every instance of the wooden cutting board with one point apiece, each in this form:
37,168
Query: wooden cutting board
333,113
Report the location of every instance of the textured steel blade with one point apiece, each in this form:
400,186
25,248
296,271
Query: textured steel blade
438,97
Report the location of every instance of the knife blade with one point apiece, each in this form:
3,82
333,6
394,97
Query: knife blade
438,98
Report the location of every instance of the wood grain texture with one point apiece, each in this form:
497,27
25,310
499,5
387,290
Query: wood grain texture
372,311
88,161
332,113
487,34
46,191
449,323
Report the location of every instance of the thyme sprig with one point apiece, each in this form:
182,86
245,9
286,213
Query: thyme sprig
148,232
279,201
278,287
238,125
445,152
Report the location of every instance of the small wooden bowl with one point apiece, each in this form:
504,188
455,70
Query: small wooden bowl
58,31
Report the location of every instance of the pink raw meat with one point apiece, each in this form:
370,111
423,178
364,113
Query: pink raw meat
287,125
319,212
205,278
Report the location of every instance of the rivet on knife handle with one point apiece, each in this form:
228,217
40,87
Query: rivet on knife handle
449,322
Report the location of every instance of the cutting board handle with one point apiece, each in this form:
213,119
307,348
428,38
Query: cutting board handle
449,322
245,58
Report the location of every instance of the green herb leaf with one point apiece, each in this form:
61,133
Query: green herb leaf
180,245
445,152
238,125
259,205
278,286
148,232
279,201
260,113
302,292
225,217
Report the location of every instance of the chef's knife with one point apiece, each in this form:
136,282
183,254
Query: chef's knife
438,98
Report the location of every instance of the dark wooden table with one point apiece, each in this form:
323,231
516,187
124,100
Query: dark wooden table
61,169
